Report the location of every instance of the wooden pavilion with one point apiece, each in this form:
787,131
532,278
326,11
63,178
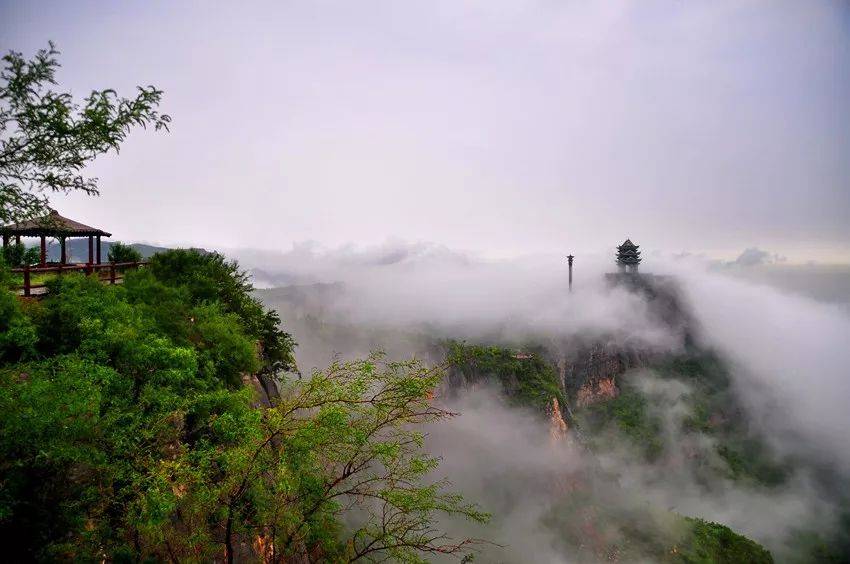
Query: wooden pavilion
62,228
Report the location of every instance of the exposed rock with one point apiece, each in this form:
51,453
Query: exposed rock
557,426
591,372
592,367
595,391
265,387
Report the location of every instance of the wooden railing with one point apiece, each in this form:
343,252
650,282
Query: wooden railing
114,273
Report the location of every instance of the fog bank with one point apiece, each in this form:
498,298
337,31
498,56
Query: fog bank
789,359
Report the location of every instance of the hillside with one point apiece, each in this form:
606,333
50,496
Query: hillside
163,420
636,416
78,250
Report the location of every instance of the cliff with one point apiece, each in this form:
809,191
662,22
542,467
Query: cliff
585,370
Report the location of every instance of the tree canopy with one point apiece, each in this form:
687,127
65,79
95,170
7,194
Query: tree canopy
119,252
132,428
47,138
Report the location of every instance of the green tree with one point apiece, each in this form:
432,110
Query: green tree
119,252
47,139
350,436
211,277
18,334
128,433
18,254
712,542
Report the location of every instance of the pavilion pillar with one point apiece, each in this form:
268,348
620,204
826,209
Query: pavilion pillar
98,249
43,250
63,257
91,249
5,240
17,239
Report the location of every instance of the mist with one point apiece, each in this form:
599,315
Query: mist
504,459
411,288
788,353
314,141
791,355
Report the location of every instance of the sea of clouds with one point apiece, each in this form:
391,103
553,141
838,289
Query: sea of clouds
789,356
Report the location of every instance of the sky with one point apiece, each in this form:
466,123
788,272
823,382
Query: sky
500,127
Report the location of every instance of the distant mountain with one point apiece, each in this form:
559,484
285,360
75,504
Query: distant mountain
78,250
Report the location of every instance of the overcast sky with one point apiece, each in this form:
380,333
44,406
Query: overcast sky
498,126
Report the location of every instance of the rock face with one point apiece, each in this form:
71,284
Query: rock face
594,392
557,426
582,371
591,370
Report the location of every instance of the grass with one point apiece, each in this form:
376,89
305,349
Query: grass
36,279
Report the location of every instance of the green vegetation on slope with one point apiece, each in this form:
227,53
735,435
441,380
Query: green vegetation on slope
712,409
733,452
119,252
712,543
715,411
127,432
530,382
630,416
602,526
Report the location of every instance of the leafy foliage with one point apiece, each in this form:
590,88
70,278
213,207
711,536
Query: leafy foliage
18,335
629,414
715,411
46,138
527,379
712,409
127,433
18,254
210,277
604,526
712,543
119,252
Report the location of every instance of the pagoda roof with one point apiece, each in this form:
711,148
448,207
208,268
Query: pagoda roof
52,224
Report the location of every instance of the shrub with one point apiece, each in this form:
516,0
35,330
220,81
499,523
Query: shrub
127,434
17,255
712,542
530,382
119,252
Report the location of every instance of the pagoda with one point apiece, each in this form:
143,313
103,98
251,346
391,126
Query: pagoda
628,256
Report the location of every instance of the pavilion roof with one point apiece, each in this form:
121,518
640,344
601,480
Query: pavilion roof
52,225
